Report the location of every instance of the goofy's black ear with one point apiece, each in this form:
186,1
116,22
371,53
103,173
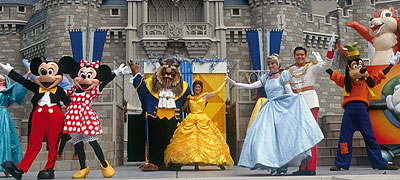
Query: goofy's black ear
68,65
35,63
347,81
103,73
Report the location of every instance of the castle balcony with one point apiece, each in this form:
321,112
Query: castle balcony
195,37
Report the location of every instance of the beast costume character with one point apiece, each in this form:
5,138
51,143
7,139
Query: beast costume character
357,84
47,119
162,98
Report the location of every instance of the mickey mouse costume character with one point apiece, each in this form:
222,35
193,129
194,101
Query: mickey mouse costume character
81,122
357,84
47,119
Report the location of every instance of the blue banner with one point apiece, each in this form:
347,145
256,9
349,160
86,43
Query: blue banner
77,44
275,41
253,40
98,44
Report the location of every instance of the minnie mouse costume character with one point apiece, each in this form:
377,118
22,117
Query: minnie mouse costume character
47,118
81,122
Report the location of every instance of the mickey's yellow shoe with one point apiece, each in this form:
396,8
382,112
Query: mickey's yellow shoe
81,173
108,171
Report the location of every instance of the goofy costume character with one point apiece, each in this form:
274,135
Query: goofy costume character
47,118
162,98
357,84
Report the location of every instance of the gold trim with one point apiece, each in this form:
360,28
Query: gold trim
302,73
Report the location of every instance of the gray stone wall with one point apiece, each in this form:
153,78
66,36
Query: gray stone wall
10,12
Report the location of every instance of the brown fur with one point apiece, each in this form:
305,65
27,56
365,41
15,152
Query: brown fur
158,82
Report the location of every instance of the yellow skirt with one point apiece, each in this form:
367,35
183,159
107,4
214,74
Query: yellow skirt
257,107
198,140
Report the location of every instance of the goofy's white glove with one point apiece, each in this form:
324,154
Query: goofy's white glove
6,67
394,59
122,70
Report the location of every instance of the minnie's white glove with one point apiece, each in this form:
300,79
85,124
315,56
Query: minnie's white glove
122,70
317,57
394,59
6,67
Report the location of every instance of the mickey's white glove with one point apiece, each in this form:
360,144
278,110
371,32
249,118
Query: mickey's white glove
231,81
331,41
394,59
317,57
122,70
6,67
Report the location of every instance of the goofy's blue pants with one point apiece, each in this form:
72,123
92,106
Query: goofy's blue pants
355,118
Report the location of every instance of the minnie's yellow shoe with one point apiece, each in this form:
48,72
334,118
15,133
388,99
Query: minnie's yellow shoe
81,173
108,171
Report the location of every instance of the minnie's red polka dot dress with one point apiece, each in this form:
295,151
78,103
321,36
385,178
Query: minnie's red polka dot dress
80,118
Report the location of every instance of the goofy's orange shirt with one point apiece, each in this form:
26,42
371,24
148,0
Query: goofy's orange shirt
359,92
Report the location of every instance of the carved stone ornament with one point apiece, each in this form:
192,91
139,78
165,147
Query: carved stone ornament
176,2
175,30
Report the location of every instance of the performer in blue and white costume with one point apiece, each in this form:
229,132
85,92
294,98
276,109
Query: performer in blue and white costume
284,130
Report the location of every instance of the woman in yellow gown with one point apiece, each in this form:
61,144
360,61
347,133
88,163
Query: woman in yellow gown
197,141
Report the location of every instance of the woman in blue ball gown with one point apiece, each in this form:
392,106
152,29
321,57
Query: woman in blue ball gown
284,130
10,147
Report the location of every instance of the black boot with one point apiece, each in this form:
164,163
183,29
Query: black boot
11,168
46,174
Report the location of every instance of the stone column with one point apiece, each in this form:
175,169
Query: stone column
281,14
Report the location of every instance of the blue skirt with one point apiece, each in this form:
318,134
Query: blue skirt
281,135
10,147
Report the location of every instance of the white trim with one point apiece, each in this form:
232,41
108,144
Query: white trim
23,12
119,12
261,46
34,32
240,12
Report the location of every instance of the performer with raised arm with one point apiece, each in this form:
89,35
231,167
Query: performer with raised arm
303,76
284,130
81,122
357,84
197,140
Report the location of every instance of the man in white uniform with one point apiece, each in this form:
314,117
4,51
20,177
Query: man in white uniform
303,76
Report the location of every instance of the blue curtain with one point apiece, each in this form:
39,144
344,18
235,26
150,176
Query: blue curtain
98,44
254,48
275,41
187,74
76,43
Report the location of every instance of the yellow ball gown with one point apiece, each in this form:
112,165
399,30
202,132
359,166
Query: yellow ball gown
197,139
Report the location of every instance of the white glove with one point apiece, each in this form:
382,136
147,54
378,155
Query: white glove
6,67
288,89
394,59
231,81
26,63
122,70
330,44
317,57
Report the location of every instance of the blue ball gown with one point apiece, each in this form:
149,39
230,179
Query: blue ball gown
10,147
283,132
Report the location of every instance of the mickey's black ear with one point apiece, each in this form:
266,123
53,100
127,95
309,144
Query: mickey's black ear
35,63
103,73
68,65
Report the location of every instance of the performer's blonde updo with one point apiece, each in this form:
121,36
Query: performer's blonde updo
274,58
